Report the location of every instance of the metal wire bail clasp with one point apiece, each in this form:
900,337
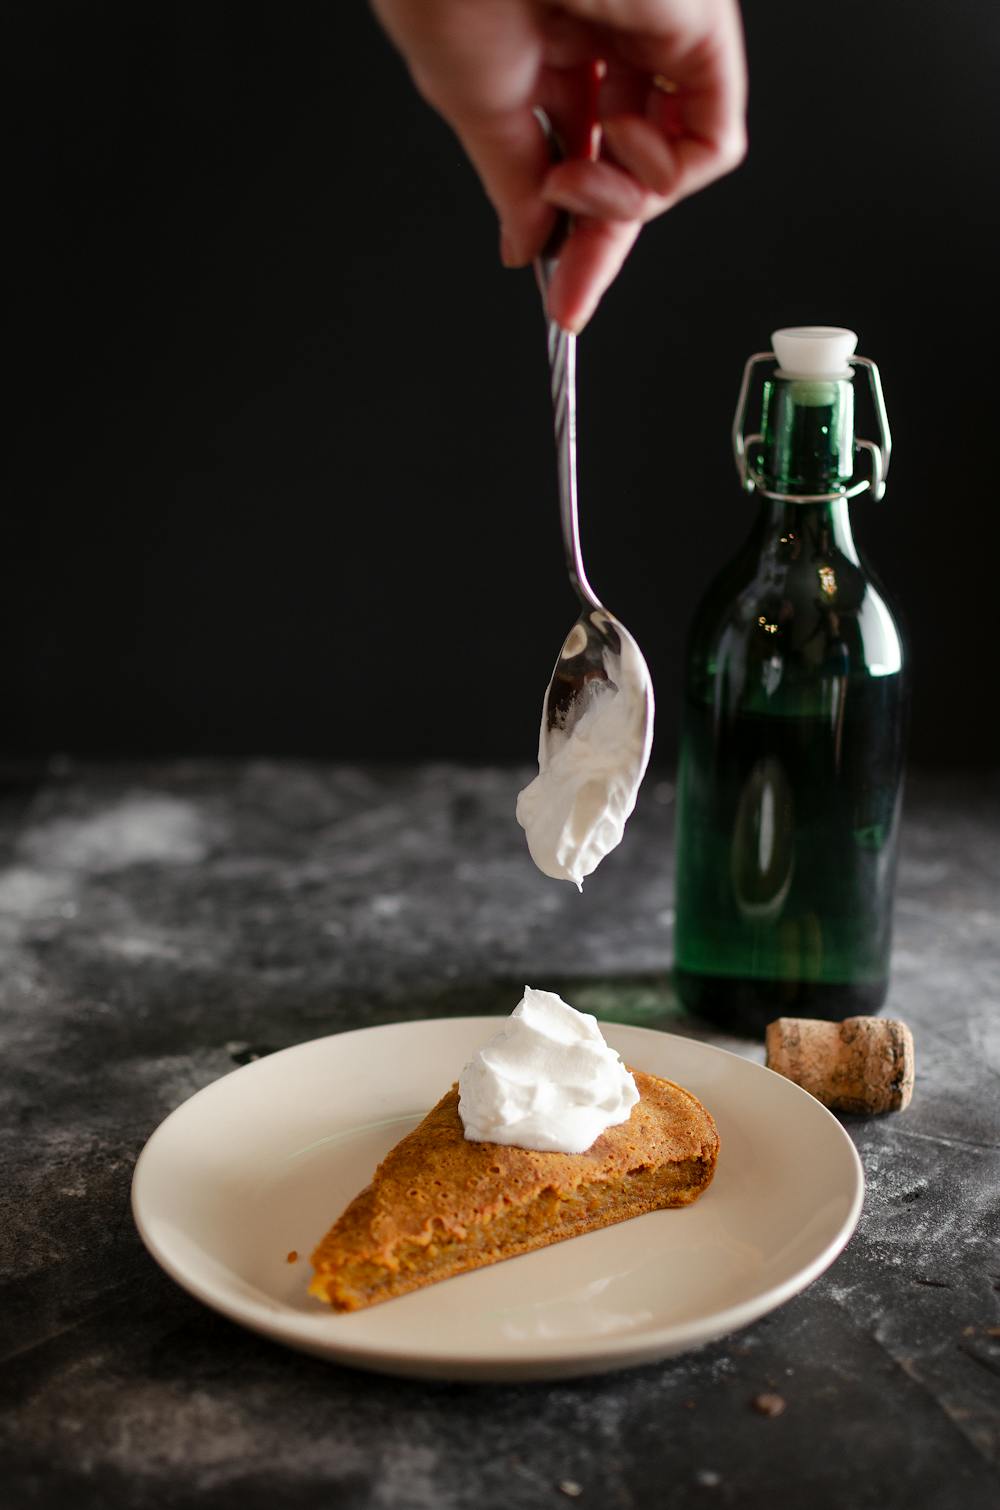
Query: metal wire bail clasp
879,454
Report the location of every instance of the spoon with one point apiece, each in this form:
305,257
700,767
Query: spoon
598,651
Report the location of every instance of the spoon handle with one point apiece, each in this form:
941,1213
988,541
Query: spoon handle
562,349
562,366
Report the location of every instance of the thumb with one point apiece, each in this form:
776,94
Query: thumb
510,154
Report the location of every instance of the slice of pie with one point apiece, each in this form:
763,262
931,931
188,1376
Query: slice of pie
439,1205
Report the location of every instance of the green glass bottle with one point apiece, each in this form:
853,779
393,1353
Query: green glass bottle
791,761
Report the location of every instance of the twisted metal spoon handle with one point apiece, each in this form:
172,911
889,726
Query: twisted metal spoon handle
562,345
562,365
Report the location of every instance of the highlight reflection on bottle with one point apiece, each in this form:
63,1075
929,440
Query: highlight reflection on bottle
762,860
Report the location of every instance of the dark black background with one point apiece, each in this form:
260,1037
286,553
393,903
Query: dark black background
277,441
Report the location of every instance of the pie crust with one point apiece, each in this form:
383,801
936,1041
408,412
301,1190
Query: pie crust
440,1205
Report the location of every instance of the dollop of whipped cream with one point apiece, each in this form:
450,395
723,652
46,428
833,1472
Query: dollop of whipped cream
546,1080
575,810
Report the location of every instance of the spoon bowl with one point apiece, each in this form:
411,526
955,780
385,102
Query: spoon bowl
581,672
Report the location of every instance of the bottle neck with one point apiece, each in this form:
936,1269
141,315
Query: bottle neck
807,445
807,448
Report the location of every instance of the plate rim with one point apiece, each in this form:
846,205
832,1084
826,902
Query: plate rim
579,1355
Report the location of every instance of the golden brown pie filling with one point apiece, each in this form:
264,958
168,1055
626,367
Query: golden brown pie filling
439,1205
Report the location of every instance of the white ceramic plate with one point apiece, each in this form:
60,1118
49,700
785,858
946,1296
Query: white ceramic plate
259,1165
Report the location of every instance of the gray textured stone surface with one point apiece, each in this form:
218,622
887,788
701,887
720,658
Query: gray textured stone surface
158,922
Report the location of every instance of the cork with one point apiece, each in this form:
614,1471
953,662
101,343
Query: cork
862,1065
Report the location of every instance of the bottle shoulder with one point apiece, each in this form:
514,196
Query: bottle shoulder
786,611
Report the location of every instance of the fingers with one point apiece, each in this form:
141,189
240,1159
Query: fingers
691,95
485,66
510,154
514,157
672,117
589,262
669,164
598,189
641,183
479,65
644,153
643,175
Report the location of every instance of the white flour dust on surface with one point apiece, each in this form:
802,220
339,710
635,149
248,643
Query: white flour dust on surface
135,831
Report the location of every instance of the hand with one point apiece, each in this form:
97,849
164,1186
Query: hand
671,105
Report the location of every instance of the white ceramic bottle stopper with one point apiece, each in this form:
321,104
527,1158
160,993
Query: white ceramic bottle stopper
814,351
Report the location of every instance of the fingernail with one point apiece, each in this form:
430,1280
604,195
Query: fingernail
575,319
572,323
